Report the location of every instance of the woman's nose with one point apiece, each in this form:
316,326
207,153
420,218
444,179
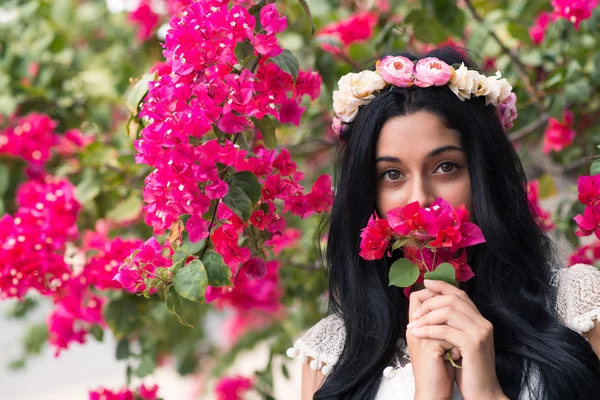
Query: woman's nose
422,193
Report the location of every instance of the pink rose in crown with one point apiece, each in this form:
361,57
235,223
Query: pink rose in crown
507,111
397,71
433,241
432,72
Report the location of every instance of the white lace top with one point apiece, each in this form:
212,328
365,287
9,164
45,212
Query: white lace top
578,305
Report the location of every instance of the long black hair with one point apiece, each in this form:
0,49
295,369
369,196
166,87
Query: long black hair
513,269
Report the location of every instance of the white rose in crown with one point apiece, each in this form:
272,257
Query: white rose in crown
461,82
498,89
354,91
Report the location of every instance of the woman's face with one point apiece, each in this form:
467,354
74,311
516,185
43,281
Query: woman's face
420,159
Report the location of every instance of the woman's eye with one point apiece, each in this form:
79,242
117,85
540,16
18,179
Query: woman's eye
447,167
391,175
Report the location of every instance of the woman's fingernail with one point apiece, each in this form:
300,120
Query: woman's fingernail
416,314
415,331
412,324
428,282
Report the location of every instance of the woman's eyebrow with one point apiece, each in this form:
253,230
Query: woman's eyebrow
431,154
388,158
443,149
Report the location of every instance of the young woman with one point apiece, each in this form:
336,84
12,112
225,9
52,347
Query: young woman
516,325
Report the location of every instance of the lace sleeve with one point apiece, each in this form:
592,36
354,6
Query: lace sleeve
578,302
323,342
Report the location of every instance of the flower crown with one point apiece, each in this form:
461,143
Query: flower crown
357,89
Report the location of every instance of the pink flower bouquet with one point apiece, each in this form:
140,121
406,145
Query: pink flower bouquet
433,240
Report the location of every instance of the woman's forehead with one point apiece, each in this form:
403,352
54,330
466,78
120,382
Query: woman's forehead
416,133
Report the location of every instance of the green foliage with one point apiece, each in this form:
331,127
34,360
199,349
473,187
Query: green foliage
218,273
190,281
244,193
403,273
288,63
444,272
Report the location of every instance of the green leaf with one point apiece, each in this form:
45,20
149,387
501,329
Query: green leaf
89,187
578,91
219,274
309,16
248,182
426,29
35,338
189,247
403,273
137,92
123,352
19,309
399,243
146,367
267,130
97,332
191,281
547,186
243,50
284,371
98,155
178,260
519,32
187,311
123,316
595,167
4,179
128,209
479,37
444,272
237,200
450,17
288,63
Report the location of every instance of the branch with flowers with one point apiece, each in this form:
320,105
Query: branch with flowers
79,211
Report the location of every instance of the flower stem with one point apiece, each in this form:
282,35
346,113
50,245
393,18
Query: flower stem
455,365
423,258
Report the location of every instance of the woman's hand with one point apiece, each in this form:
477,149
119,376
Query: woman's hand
434,375
450,316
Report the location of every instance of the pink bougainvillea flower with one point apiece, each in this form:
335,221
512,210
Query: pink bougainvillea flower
356,28
286,238
233,388
412,219
148,392
587,254
255,268
543,217
538,30
375,238
559,135
589,222
31,139
250,294
291,112
142,393
271,20
197,228
145,18
574,11
588,188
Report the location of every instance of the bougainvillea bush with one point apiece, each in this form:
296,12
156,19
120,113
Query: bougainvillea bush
169,161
